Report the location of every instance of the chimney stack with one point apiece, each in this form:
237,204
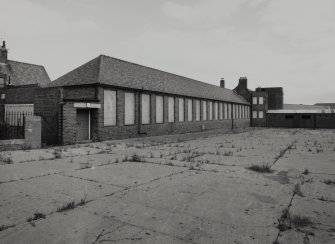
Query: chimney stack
222,83
3,53
243,83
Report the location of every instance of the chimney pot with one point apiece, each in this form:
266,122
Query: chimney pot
222,83
3,53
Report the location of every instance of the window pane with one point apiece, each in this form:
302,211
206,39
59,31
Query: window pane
254,114
260,100
225,111
197,110
254,100
229,111
189,110
220,111
204,110
129,106
171,109
159,109
216,109
145,109
210,107
109,107
181,109
260,114
2,82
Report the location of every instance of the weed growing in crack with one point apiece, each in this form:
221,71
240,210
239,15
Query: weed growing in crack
260,168
6,160
5,227
36,216
228,154
57,153
85,165
305,172
169,163
329,182
67,206
135,158
301,221
297,190
191,167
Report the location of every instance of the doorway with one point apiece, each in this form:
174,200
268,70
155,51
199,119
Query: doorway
83,124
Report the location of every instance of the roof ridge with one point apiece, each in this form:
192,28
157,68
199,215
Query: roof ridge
164,72
25,63
99,69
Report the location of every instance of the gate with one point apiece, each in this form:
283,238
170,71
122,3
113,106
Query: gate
50,128
12,125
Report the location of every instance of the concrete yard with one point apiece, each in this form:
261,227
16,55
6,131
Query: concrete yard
191,188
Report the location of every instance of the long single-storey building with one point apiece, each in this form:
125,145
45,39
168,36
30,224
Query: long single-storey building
107,98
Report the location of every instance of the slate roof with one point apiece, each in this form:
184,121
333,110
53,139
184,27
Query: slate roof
24,74
111,71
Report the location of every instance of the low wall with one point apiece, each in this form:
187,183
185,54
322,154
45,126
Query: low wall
32,136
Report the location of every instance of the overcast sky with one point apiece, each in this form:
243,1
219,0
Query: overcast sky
288,43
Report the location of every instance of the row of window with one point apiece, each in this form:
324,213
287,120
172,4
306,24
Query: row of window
257,100
211,110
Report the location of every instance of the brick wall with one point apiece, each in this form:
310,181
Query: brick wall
99,132
47,103
84,92
124,131
18,95
69,123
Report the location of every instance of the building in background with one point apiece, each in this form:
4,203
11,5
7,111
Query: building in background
268,109
18,83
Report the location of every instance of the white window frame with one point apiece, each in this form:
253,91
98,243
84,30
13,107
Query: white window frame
216,110
181,109
210,108
171,109
110,109
204,110
159,110
145,114
254,100
220,111
254,114
189,110
229,107
197,110
129,116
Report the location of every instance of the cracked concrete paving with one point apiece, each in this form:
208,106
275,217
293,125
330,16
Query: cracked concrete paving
184,189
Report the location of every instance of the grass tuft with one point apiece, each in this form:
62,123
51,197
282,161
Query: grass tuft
36,216
67,206
260,168
301,221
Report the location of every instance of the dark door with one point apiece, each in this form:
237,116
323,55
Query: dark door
83,124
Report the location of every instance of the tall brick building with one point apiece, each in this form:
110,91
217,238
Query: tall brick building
108,98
